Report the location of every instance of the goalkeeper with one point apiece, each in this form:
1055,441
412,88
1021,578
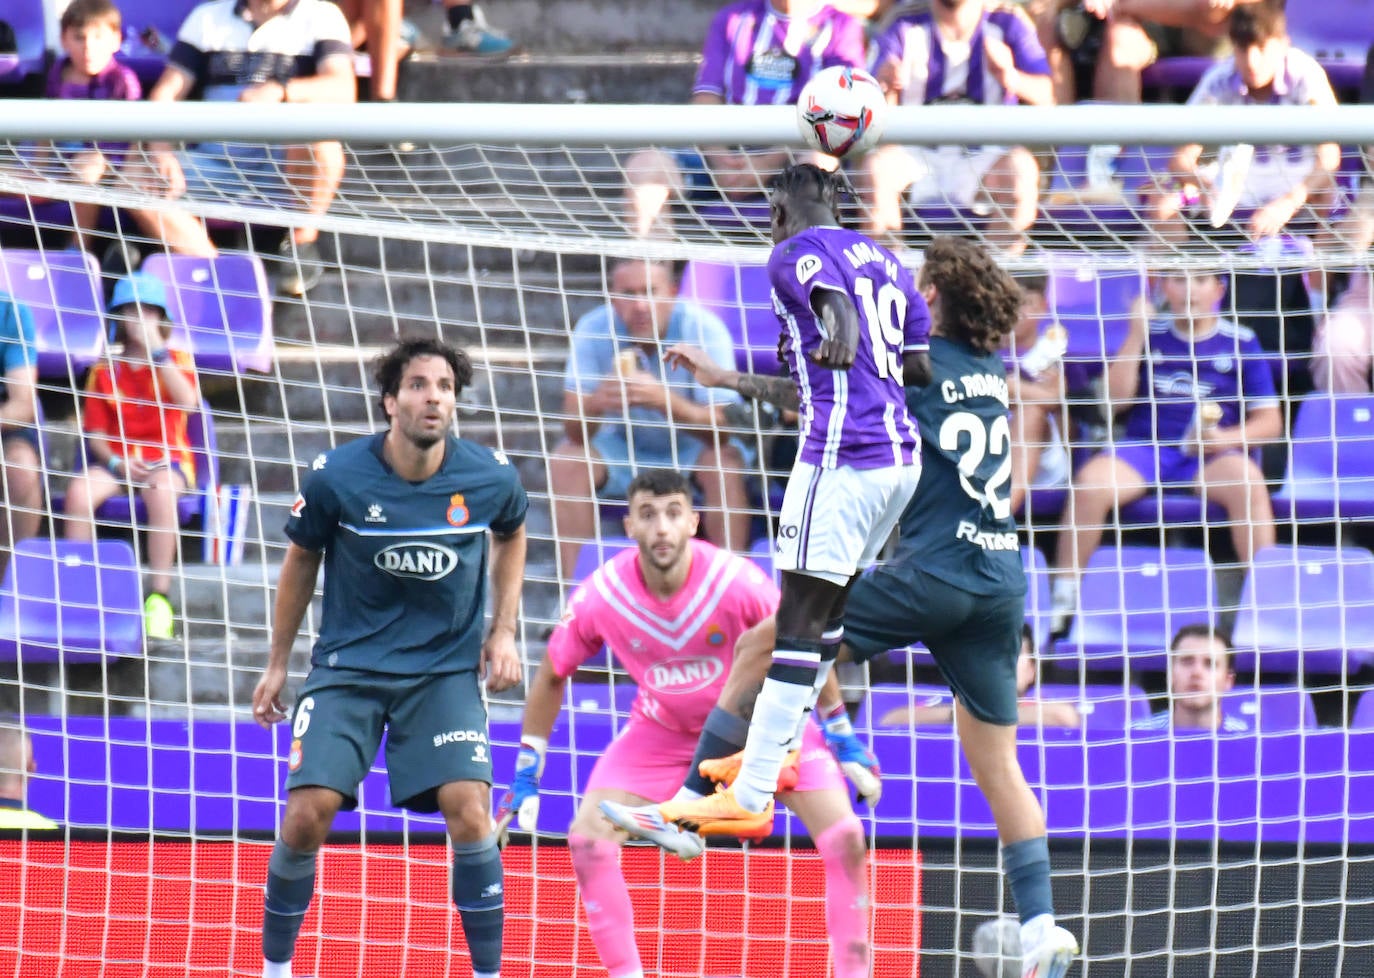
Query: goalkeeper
671,610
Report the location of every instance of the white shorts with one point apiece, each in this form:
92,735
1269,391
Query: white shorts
1056,464
949,175
1273,176
834,522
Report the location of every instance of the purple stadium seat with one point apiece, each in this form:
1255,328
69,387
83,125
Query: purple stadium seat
1094,305
1307,608
1363,718
594,553
200,432
610,699
1331,475
1133,599
1276,708
1328,31
30,56
1170,507
221,307
1183,72
72,601
62,290
741,296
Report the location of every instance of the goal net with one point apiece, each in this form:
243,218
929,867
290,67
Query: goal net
1238,851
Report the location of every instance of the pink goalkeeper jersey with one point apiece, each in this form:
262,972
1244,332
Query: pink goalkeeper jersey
679,650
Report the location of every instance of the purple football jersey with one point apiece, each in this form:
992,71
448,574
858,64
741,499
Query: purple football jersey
754,55
855,417
1226,367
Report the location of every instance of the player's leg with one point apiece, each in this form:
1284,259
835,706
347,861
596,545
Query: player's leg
977,654
594,846
821,801
1236,482
438,759
580,474
85,493
335,729
21,491
1109,480
160,495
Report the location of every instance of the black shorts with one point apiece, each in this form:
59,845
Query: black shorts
975,638
436,733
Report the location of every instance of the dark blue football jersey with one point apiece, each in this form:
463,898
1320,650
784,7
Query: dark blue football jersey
405,563
958,526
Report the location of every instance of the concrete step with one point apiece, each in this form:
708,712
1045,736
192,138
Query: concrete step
663,76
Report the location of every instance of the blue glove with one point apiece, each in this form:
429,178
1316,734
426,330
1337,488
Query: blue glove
521,802
856,761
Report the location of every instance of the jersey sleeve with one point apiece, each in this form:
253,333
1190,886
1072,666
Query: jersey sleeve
97,409
801,268
315,513
1027,53
916,328
576,638
1256,377
715,55
849,45
189,53
512,515
588,357
332,36
888,46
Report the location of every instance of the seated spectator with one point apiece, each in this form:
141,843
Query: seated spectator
469,33
1122,34
1031,710
1201,672
1198,396
958,51
134,422
92,31
227,51
21,472
757,52
1035,385
1343,349
16,764
1279,183
625,410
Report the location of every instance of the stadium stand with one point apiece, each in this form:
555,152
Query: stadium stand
62,290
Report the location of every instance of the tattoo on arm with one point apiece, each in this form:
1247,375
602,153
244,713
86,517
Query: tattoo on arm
775,390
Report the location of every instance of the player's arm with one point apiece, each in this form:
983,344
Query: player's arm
500,659
775,390
838,322
859,764
295,588
1123,373
542,705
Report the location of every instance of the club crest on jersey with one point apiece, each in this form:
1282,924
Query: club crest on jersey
807,267
715,635
293,760
298,507
458,513
422,561
686,675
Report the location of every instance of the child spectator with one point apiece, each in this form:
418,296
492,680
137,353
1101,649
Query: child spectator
92,31
134,420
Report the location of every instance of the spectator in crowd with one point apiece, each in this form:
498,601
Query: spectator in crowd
1198,397
1343,350
389,38
256,51
959,51
1123,34
1031,710
1279,183
1035,387
625,410
469,33
92,31
1201,672
16,764
757,52
134,419
21,481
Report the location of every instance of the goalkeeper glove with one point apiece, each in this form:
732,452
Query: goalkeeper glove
521,801
856,760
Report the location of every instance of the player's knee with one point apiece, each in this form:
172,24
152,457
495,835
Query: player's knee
589,825
844,841
304,826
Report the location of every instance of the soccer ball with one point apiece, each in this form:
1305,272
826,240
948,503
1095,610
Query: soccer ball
841,111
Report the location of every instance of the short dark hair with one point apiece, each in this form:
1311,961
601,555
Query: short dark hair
806,181
391,366
1038,284
660,482
1202,629
979,300
83,13
1255,23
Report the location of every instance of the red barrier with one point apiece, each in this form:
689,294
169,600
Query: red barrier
182,909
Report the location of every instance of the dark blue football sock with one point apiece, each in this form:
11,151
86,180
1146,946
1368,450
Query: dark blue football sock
1027,865
481,902
290,885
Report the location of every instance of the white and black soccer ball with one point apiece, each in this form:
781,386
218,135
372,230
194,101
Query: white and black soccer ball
841,111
